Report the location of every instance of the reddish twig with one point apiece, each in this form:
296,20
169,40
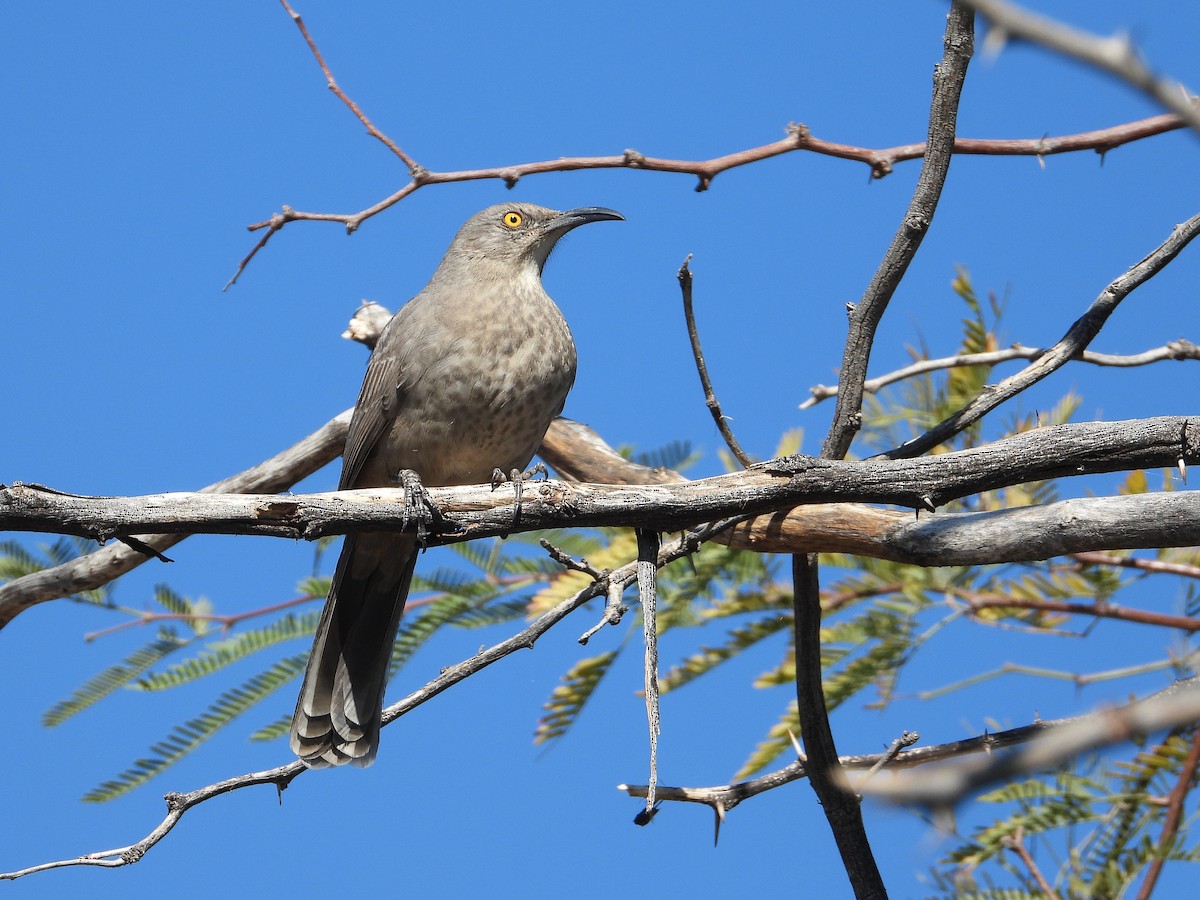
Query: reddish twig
1099,610
1098,558
225,621
1174,813
413,167
1016,844
880,161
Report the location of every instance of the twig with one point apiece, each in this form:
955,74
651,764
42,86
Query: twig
1016,844
710,397
647,578
413,168
1074,342
906,739
1100,610
614,610
1115,55
177,805
1174,350
1077,679
565,559
1170,827
1132,562
225,621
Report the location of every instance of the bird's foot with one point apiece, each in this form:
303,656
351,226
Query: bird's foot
518,479
418,505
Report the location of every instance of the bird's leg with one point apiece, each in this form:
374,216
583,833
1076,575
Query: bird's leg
418,505
518,479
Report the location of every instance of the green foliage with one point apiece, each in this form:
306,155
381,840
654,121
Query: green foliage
568,699
1109,818
184,738
220,654
114,677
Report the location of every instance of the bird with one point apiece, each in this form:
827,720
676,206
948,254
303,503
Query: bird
462,383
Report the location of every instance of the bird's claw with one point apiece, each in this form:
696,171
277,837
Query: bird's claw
418,505
518,479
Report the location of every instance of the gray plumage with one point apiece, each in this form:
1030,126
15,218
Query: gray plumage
464,379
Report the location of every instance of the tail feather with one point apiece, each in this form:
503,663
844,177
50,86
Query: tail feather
338,712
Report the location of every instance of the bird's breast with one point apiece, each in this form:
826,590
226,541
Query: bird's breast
488,382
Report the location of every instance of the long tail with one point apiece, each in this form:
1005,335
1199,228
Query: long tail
341,700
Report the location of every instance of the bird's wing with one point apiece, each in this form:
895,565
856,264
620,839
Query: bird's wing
378,403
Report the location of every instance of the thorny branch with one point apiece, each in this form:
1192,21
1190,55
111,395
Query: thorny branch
881,161
723,798
1177,706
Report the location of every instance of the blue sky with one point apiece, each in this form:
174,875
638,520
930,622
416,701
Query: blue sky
141,139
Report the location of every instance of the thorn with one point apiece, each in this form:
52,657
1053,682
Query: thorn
796,746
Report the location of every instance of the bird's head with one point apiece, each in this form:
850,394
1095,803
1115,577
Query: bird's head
521,232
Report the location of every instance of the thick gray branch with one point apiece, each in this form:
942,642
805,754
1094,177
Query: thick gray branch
469,512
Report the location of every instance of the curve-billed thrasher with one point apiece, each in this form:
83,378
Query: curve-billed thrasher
464,380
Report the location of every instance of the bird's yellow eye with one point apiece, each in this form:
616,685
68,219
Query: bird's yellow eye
513,219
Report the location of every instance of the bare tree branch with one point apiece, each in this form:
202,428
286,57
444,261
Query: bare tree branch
1100,610
710,397
1074,342
945,786
477,511
841,811
867,313
727,796
1181,349
1115,55
1081,525
413,168
1016,843
1160,566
